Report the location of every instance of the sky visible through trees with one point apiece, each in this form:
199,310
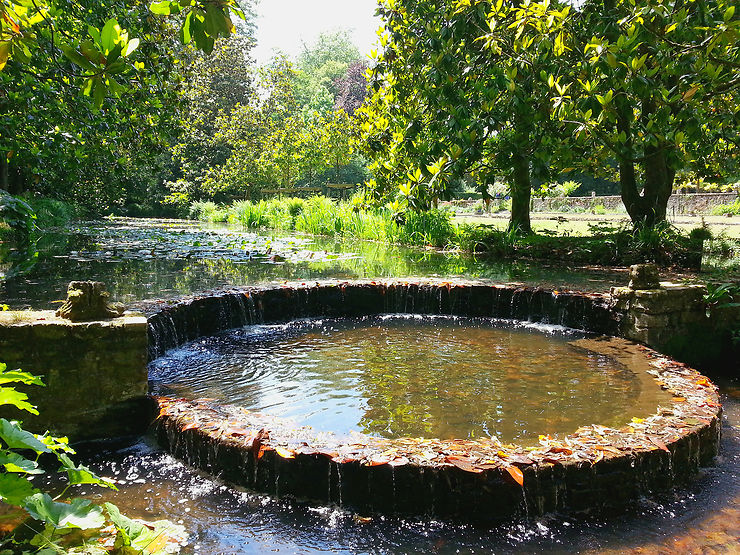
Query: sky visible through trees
288,24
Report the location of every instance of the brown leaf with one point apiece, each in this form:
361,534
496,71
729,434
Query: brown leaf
257,448
463,464
517,474
658,443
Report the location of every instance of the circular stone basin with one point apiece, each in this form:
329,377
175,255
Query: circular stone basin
596,468
413,376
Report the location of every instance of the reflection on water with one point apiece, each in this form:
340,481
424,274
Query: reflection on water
417,376
146,259
703,518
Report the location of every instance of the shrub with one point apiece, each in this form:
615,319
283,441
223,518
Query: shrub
16,214
727,209
71,525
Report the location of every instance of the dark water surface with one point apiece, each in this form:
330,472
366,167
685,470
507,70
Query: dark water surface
156,259
148,259
412,376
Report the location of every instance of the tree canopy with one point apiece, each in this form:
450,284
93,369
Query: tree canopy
522,88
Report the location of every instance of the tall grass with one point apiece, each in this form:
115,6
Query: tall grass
322,216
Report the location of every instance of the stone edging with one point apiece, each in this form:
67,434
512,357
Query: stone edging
596,469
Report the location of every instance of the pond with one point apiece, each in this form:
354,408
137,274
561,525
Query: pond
141,259
159,259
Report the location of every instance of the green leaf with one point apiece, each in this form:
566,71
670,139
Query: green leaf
131,45
18,399
99,92
75,57
185,35
17,438
14,462
81,474
80,513
19,376
4,53
14,489
129,528
165,7
109,35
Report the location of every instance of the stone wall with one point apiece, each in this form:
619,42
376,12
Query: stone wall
655,317
95,373
678,205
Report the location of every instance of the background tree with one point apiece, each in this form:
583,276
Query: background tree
92,147
214,86
352,87
657,91
463,88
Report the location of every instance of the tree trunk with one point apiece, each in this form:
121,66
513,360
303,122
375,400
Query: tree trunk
4,171
521,194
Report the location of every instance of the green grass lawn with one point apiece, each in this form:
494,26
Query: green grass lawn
579,224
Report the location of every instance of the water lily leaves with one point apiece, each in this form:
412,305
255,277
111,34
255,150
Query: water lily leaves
80,513
17,438
14,489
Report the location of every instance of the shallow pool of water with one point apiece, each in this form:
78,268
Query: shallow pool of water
409,375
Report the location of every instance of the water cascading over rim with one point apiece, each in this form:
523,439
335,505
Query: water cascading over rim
594,470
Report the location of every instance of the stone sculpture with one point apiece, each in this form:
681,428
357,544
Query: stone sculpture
88,301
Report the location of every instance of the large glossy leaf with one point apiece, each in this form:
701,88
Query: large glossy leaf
14,489
79,474
10,396
16,437
80,513
165,7
109,35
15,462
